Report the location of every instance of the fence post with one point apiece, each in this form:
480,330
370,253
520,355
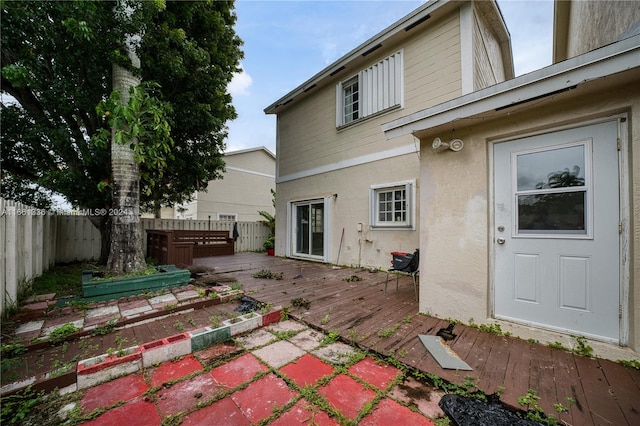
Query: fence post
11,265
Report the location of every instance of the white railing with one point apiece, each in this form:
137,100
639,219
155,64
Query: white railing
32,240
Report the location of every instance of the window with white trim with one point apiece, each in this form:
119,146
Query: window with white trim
392,205
231,217
373,90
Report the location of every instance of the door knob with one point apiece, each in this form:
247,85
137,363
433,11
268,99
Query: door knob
500,240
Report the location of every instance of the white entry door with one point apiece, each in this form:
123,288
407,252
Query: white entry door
556,245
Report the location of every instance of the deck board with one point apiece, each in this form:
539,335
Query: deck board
603,392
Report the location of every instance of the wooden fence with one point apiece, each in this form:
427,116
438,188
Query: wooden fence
32,240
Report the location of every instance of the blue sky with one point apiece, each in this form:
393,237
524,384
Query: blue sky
287,42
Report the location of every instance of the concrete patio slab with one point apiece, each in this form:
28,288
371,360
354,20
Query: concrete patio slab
287,325
240,370
278,354
335,353
258,400
308,340
255,339
347,395
413,393
102,311
307,370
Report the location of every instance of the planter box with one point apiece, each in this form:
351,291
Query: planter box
244,323
168,276
104,367
205,337
165,349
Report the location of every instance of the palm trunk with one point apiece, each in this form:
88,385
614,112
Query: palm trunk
125,255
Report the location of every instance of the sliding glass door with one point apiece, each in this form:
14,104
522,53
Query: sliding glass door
309,224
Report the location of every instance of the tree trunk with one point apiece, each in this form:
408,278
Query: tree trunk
125,254
103,224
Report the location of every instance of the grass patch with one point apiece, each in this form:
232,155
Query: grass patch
63,280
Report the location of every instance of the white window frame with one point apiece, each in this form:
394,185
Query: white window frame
234,215
380,89
409,186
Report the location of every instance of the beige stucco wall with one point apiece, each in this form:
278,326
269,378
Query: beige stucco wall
595,24
455,227
371,247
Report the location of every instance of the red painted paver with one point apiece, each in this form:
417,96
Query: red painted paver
224,412
307,370
258,400
304,413
105,395
134,413
346,395
378,374
174,370
389,412
238,371
184,396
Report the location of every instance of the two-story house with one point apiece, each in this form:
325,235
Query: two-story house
245,189
535,222
346,194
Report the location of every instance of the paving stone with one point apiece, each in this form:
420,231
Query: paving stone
258,400
278,354
46,331
136,412
125,305
164,299
30,326
225,412
238,371
102,311
375,373
184,396
255,339
130,313
304,413
390,412
306,370
347,395
413,393
335,353
186,295
174,370
40,298
90,322
287,325
107,394
37,306
307,340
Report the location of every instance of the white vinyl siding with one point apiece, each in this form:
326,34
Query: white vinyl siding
379,87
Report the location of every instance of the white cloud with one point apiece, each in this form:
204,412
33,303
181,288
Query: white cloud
240,84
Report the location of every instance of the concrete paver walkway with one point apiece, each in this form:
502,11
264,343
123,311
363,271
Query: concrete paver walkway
282,374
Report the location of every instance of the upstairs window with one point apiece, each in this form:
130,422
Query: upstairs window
373,90
350,96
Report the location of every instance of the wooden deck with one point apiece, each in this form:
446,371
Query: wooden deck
604,392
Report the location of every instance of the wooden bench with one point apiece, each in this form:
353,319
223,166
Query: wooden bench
180,247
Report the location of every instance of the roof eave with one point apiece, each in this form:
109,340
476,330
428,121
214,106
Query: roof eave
406,23
617,57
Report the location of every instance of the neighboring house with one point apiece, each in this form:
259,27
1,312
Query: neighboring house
536,221
346,194
244,190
